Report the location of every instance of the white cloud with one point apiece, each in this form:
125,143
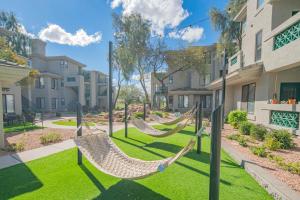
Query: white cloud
55,33
23,30
189,34
161,13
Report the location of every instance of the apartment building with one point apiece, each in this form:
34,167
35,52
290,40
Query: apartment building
61,84
264,76
185,88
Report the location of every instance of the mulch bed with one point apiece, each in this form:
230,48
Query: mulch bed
291,155
31,139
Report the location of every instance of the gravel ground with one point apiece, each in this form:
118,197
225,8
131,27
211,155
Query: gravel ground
291,155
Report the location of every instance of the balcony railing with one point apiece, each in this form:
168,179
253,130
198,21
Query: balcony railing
285,119
287,36
235,62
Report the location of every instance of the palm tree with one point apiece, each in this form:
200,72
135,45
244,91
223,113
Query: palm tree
222,20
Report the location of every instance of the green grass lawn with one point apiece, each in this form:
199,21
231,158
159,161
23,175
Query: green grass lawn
71,122
59,177
20,127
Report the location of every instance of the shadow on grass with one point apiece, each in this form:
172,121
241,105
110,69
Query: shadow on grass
17,180
202,158
123,190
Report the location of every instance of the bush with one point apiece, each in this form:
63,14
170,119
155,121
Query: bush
271,143
245,128
50,138
283,137
139,115
233,136
259,151
158,113
236,117
16,147
293,167
239,138
258,132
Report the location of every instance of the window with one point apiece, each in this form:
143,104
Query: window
207,79
206,101
62,102
62,83
64,64
258,46
170,100
189,79
289,91
248,97
54,84
71,79
183,101
260,3
171,79
8,102
39,83
40,102
294,12
244,25
54,103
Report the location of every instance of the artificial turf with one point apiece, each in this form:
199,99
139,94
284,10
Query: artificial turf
20,127
71,122
59,177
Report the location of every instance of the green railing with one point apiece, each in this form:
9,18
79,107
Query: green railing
288,35
285,119
233,61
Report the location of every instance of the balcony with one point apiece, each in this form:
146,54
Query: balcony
74,81
282,46
235,62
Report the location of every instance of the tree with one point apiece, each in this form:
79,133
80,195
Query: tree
131,93
230,30
12,31
6,53
133,37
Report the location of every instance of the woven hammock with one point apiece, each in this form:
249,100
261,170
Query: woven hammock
100,151
149,130
174,121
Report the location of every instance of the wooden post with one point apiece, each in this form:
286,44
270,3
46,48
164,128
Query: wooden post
145,110
200,118
215,154
79,131
110,103
223,88
126,119
196,118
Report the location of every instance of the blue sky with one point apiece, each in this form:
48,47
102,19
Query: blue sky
94,17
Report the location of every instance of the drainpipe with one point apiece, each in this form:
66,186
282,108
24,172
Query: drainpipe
110,106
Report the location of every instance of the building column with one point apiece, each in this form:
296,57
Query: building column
1,120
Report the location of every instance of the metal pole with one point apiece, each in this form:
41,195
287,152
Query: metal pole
200,117
196,118
223,88
144,112
79,131
126,122
215,154
110,106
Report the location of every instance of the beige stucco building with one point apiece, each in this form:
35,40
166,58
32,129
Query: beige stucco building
186,88
62,83
268,65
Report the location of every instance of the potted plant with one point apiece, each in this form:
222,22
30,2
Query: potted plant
274,99
292,101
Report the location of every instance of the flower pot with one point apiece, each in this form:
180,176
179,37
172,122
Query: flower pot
274,101
292,101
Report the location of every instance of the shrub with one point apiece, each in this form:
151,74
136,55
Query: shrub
236,117
233,136
16,147
139,115
50,138
243,141
245,127
283,137
293,167
239,138
258,132
271,143
158,113
259,151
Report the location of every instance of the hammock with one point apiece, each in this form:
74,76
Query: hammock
149,130
100,151
174,121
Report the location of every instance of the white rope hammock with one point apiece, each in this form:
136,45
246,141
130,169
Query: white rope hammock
174,121
100,151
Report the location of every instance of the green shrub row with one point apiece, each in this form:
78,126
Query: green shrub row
236,117
242,140
293,167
